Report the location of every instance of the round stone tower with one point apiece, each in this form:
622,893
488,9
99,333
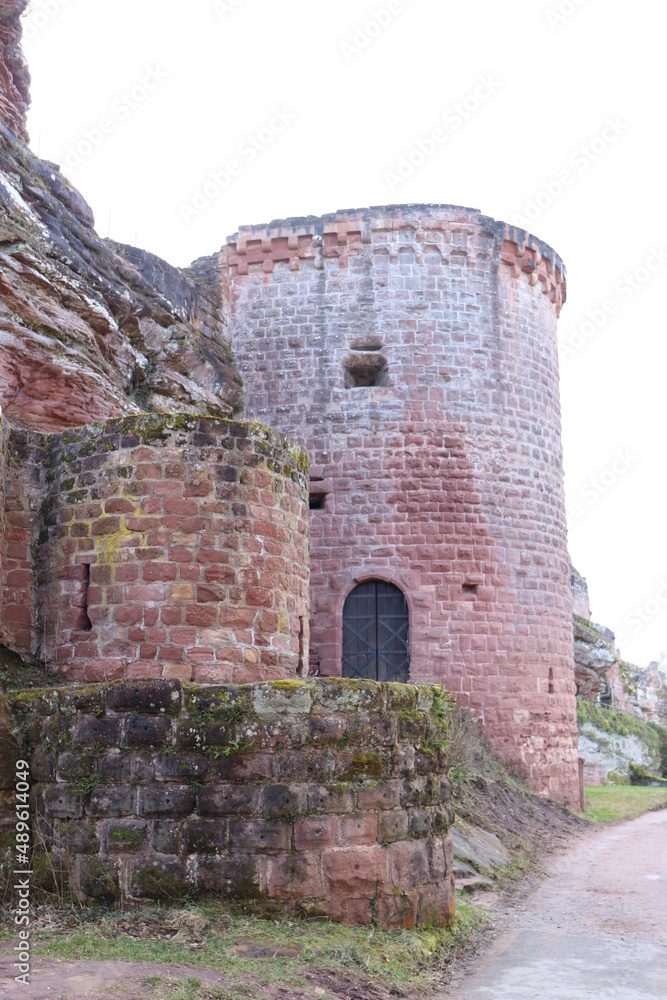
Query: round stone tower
412,350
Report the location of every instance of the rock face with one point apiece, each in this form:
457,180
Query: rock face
580,599
602,675
14,75
91,329
642,692
594,658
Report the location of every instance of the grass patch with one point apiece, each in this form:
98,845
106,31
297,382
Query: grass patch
255,954
609,803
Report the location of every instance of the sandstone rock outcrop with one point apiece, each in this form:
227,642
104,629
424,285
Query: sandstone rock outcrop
594,658
89,328
603,676
14,75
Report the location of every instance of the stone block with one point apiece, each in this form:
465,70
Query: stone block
288,697
229,800
146,731
315,833
63,802
393,826
180,767
76,837
112,801
260,835
309,765
151,697
166,800
126,837
165,837
294,877
154,878
398,910
420,824
409,864
236,879
386,795
324,728
355,871
435,853
89,698
340,695
105,731
204,836
330,799
284,802
42,765
357,830
75,766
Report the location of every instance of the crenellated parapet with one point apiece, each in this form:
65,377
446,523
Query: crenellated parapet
310,241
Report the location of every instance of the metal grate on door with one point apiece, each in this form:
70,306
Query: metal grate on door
375,633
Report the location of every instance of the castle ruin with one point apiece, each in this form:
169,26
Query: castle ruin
263,508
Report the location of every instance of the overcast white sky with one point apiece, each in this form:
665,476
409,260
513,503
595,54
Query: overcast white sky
315,101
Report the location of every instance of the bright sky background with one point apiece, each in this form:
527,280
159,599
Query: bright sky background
220,69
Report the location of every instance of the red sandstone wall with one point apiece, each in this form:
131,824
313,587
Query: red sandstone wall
447,478
24,495
196,538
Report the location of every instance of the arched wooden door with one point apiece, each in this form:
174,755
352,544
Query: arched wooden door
376,625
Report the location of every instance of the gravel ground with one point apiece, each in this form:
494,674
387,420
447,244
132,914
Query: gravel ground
596,927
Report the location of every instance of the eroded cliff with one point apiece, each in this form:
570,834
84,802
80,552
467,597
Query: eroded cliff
91,329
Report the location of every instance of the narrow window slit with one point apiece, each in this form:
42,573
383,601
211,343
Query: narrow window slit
303,667
84,623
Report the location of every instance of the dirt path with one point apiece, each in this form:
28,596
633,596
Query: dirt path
595,929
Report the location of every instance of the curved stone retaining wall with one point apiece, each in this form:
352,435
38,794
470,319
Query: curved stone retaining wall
322,797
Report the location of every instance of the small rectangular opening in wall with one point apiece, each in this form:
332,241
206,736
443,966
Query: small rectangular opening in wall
302,669
318,501
470,589
365,370
84,623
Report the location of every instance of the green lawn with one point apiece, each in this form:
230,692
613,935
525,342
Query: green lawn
257,954
608,803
